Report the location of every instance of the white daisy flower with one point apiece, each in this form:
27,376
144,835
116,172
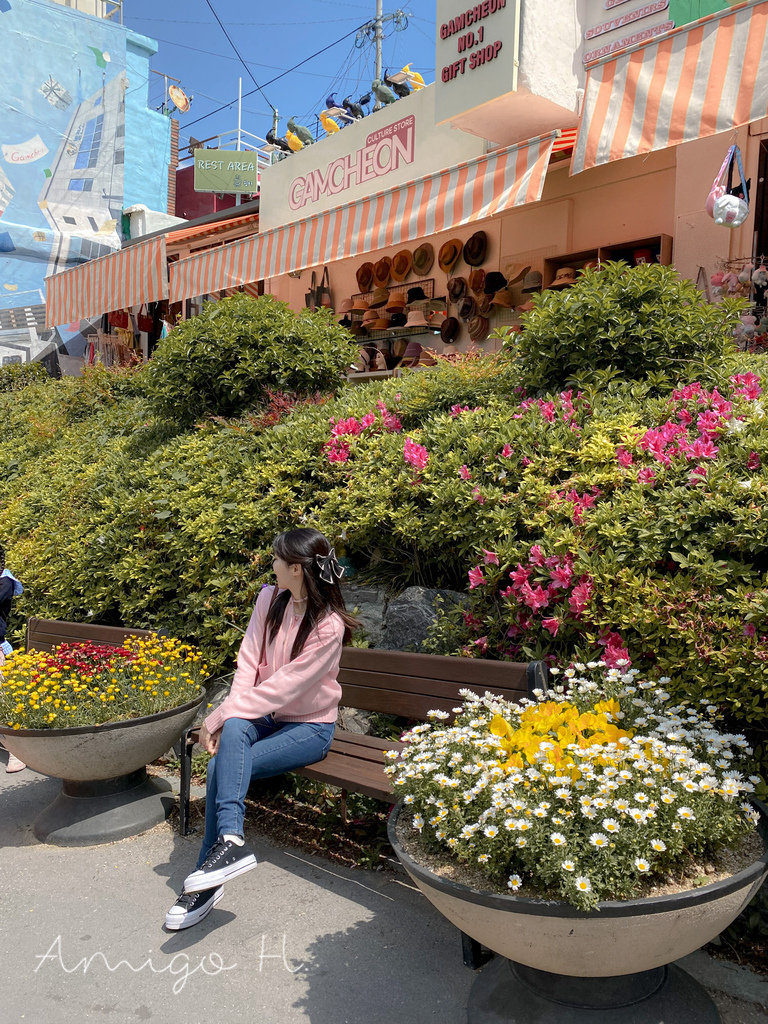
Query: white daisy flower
557,839
568,865
598,840
658,845
583,884
611,825
514,883
642,865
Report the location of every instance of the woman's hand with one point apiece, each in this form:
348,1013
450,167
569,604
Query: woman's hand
208,742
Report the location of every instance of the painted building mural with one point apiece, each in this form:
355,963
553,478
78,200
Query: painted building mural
67,80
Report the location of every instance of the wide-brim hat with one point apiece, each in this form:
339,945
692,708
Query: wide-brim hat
477,281
526,307
468,308
359,306
475,249
437,320
438,306
564,278
515,271
449,254
396,302
484,305
382,324
346,307
449,330
504,298
369,315
364,275
398,320
416,318
401,264
423,258
478,328
457,288
379,298
416,295
533,282
494,282
382,270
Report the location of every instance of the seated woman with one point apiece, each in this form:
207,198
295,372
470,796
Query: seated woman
280,713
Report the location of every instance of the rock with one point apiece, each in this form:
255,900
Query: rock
354,720
217,691
409,616
368,603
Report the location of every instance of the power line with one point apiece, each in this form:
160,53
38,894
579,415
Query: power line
242,61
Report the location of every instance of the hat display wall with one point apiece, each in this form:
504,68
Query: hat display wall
416,318
401,264
475,249
504,298
449,331
382,324
514,272
478,328
379,298
382,270
467,308
423,258
369,316
364,275
533,282
564,278
494,282
449,255
477,280
359,306
396,302
457,289
416,295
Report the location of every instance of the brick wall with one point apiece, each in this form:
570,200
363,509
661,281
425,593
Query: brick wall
172,166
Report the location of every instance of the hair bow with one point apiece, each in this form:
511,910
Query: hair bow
330,570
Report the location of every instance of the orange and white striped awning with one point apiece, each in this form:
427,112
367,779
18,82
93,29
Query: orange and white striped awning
692,82
468,192
121,279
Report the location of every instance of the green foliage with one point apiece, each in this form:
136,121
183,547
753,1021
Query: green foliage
636,320
19,375
226,359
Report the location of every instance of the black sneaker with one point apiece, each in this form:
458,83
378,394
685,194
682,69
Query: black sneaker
226,860
192,907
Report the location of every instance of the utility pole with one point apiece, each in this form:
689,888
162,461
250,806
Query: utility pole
378,38
239,128
374,30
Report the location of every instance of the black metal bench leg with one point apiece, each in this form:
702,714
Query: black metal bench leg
344,817
185,781
474,954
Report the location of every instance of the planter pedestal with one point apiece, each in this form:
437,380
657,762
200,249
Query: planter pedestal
509,993
89,813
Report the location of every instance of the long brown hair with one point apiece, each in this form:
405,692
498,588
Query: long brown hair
299,547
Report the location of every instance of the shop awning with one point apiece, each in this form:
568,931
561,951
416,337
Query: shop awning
175,240
121,279
693,82
468,192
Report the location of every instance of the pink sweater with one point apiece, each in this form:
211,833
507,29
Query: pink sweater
303,690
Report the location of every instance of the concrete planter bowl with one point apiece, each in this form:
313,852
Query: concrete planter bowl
106,793
556,962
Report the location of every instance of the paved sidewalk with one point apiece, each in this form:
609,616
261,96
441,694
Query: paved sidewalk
298,939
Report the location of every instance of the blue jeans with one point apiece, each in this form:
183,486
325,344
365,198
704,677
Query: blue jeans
254,750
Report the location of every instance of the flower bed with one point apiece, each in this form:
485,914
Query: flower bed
583,793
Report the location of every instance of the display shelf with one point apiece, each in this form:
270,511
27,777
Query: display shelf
660,247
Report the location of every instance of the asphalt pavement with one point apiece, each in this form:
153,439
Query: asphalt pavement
298,939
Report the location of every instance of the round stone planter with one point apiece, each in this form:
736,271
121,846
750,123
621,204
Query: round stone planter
106,793
610,964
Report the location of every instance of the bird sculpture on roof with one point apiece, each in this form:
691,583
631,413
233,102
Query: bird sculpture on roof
328,122
353,109
330,100
398,87
365,100
302,132
415,79
293,141
278,142
382,92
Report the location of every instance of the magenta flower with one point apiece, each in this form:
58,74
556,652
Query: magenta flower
702,448
478,496
476,578
562,576
464,473
615,651
506,451
535,599
749,629
580,596
520,576
623,457
338,451
537,555
490,557
482,643
753,461
646,476
416,454
552,625
526,461
368,420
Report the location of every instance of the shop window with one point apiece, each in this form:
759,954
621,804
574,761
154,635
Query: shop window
81,184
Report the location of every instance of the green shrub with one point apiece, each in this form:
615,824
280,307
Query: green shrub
637,320
226,359
19,375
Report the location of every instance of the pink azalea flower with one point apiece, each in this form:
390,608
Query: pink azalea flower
506,451
416,454
476,578
646,476
562,576
478,496
368,420
337,452
615,651
580,596
702,448
507,592
552,625
749,629
547,410
537,555
535,599
526,461
623,457
482,643
753,461
520,576
464,473
748,385
685,417
490,557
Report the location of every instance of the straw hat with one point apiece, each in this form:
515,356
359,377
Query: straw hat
382,270
526,307
379,298
364,275
449,330
423,258
416,318
401,264
564,278
515,271
475,249
478,328
477,280
382,324
467,308
449,255
457,288
359,306
344,308
532,282
369,316
396,302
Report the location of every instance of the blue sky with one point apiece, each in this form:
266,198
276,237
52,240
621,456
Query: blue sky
273,38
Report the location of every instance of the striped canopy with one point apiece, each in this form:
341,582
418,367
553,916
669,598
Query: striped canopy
128,277
693,82
468,192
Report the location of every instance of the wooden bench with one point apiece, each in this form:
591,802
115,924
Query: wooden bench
45,634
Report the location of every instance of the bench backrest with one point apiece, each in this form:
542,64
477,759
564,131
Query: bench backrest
45,634
401,683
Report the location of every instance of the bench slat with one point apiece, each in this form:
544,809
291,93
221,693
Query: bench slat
472,672
351,773
45,634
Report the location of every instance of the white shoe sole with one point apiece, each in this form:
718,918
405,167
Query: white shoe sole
199,881
175,922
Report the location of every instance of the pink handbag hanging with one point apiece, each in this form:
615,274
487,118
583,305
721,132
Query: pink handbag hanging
726,209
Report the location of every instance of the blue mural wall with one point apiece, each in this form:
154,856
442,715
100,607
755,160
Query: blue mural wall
77,145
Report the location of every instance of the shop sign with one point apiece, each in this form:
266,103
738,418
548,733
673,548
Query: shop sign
475,54
385,151
633,40
627,19
226,170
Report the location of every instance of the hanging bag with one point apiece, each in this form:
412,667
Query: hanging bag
727,210
118,318
145,322
324,291
310,298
